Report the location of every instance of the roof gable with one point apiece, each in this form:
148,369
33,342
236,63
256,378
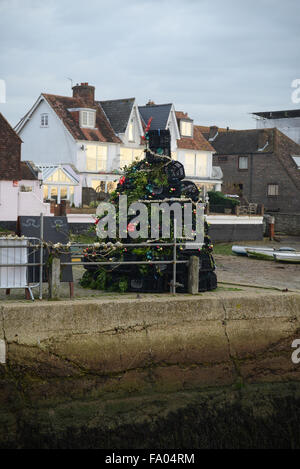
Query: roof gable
61,105
160,115
63,174
118,112
6,129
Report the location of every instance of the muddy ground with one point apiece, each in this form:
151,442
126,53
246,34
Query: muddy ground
240,269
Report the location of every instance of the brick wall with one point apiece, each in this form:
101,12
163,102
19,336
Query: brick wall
263,169
287,223
10,152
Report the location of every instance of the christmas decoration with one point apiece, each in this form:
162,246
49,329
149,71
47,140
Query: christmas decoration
156,178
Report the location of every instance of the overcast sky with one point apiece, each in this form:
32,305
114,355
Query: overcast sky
217,60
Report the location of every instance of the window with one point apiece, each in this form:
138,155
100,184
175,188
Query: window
63,192
59,176
186,128
128,155
189,164
130,131
45,192
243,162
273,189
88,119
54,193
44,120
96,156
201,165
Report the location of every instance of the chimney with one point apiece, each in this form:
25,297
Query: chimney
213,132
85,92
150,103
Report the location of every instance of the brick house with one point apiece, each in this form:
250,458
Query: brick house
261,165
20,187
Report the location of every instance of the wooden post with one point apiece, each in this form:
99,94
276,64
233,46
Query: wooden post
54,279
193,275
71,287
271,228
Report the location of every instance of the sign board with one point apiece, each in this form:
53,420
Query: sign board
56,230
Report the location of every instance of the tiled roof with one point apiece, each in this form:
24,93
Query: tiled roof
6,129
198,142
244,141
118,112
10,152
28,171
159,113
205,129
182,115
103,131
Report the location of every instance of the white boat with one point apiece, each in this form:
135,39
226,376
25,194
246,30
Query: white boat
261,253
242,250
293,257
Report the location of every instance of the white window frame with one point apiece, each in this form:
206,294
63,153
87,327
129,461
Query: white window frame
245,159
136,154
273,188
87,118
101,160
44,120
190,161
184,125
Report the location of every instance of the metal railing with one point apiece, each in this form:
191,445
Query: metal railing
26,270
173,262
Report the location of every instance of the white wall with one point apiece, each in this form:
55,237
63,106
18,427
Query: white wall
30,204
8,201
52,144
14,203
290,126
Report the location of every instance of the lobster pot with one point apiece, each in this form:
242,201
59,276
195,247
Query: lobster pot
15,252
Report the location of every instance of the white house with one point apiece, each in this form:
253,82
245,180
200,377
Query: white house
20,182
98,138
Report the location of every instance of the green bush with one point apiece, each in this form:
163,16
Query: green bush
217,198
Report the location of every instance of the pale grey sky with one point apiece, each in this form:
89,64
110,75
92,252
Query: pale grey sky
217,60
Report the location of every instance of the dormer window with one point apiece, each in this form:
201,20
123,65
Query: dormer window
186,128
44,120
87,118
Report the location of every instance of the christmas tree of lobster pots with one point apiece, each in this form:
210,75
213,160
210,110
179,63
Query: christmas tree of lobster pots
156,179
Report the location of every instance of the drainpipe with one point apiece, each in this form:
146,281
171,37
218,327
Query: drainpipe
251,178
